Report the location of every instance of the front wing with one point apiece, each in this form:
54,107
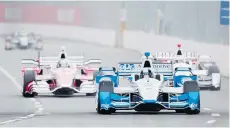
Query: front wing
135,101
43,87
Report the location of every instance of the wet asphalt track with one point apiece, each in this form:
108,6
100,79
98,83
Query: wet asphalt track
79,110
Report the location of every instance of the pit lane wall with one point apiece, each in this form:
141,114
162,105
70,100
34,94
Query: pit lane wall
61,22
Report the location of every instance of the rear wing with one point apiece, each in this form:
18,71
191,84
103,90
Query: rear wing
172,56
130,68
78,61
54,60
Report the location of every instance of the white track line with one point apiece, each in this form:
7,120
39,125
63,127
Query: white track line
211,121
39,108
208,109
215,114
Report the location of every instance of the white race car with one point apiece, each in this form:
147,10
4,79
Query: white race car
209,73
23,40
59,75
148,93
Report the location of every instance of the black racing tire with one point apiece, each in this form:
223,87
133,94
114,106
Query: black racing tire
158,77
91,94
214,69
193,112
29,76
8,49
105,86
136,77
191,86
180,111
213,88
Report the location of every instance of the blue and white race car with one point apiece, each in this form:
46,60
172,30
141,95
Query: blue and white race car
149,93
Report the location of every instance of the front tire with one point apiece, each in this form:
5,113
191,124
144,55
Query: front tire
104,86
213,88
29,76
193,88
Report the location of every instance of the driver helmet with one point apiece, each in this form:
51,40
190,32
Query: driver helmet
63,63
23,33
145,73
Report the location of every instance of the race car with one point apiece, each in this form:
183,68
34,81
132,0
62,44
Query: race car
203,63
61,76
149,93
212,79
23,40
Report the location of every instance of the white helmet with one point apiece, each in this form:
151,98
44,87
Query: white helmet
63,63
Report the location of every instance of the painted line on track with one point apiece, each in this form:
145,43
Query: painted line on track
39,109
211,121
207,109
215,114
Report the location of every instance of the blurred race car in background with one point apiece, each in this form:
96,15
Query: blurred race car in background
211,79
23,40
61,75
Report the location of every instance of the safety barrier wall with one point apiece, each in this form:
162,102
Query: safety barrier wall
58,23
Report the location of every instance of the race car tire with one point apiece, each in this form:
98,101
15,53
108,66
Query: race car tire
213,88
180,111
29,76
158,77
136,77
7,49
192,112
91,94
104,86
214,69
192,86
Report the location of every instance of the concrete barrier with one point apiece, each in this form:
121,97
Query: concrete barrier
135,40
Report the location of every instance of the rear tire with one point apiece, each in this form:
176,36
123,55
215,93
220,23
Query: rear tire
215,89
29,76
158,77
136,77
91,94
180,111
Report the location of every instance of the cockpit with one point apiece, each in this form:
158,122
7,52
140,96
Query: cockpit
22,34
146,73
63,56
63,63
147,64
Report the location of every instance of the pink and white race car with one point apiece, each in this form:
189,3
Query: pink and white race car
63,75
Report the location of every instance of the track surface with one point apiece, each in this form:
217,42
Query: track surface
80,110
